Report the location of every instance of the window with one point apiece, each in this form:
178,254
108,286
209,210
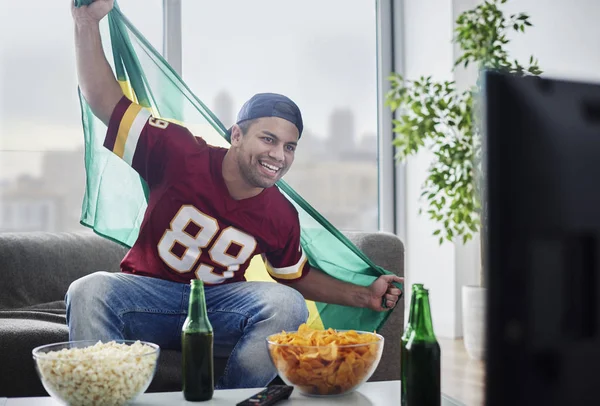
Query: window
42,176
322,54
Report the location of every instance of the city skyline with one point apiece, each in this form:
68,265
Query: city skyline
342,187
336,174
28,161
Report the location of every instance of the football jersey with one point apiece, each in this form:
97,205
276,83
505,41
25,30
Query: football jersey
192,227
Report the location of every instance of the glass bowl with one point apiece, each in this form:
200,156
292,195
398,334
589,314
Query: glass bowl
96,373
326,370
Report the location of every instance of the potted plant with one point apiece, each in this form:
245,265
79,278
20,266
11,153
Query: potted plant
444,120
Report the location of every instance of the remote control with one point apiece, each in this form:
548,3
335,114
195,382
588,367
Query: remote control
269,396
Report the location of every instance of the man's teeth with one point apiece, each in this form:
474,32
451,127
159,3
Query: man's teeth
270,167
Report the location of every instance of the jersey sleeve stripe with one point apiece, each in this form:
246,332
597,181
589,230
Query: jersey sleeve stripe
115,120
289,272
134,135
124,127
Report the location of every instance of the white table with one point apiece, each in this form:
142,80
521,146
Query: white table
370,394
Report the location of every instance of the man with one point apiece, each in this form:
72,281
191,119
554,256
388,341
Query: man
210,211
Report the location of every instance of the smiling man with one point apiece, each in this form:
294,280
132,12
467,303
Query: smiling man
210,210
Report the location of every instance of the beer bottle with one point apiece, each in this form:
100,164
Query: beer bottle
420,352
197,348
404,340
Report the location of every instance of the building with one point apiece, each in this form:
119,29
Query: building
51,202
341,137
223,109
27,205
344,192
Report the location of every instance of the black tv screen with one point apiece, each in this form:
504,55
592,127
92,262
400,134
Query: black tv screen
542,167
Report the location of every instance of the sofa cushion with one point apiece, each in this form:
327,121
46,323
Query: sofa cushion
387,251
58,306
22,335
39,267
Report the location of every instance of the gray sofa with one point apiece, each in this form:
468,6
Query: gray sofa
37,269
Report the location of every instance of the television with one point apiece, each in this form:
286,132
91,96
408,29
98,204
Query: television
542,166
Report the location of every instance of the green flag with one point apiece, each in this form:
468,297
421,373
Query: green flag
115,196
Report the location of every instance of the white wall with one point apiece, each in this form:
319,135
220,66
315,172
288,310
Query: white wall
564,38
427,30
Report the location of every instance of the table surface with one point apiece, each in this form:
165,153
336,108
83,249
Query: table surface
369,394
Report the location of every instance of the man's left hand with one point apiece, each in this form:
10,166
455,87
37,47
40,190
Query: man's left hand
384,289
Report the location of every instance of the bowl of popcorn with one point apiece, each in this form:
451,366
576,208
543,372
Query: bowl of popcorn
325,362
94,373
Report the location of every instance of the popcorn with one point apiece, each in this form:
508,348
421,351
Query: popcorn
104,374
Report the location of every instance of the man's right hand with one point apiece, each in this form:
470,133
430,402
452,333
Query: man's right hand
92,13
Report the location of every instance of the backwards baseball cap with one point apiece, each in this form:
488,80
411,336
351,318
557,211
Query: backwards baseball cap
270,105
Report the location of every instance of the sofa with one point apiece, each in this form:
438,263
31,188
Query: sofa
38,267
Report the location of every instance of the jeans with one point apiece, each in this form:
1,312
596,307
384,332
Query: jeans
108,306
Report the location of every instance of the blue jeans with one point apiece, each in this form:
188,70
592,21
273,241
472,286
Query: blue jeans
108,306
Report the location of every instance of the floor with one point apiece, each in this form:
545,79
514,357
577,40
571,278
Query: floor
462,377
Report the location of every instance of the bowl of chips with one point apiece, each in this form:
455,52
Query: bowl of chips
325,362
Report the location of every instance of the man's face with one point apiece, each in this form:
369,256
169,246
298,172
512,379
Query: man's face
266,151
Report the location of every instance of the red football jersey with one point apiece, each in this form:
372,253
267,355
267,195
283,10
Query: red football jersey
192,227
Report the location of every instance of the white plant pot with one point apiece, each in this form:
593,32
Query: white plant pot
474,318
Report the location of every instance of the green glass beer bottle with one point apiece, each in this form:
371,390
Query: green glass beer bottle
197,348
404,340
421,355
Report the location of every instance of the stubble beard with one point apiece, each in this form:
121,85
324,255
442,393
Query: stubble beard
253,177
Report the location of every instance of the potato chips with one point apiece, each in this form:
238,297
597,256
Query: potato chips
325,362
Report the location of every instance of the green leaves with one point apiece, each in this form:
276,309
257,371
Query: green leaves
481,35
436,116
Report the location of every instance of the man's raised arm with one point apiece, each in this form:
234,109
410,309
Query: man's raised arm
96,79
